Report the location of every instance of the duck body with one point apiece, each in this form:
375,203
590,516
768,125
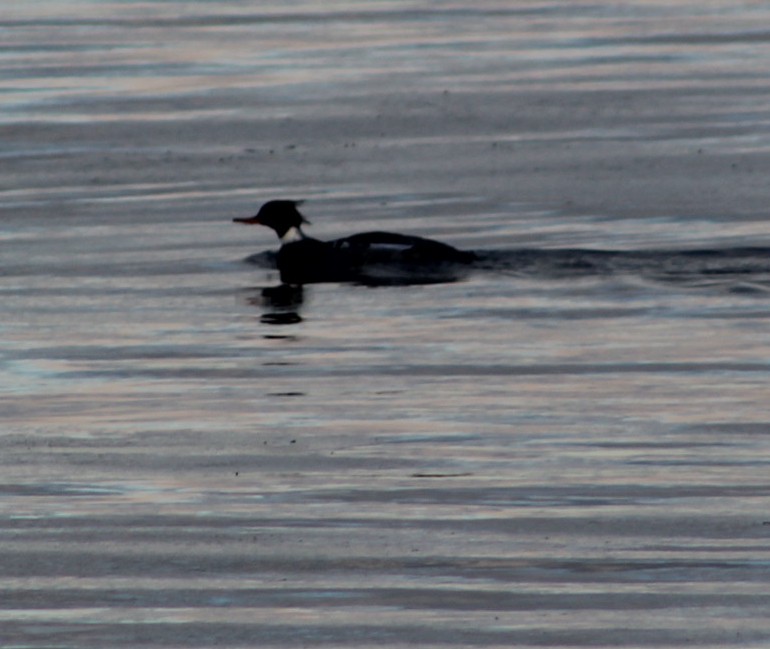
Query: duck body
367,258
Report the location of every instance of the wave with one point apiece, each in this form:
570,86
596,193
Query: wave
748,265
568,261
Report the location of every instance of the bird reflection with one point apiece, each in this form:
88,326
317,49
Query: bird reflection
280,304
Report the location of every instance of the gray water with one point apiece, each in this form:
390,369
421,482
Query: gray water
568,447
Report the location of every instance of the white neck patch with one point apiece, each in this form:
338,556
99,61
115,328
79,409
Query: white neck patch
292,234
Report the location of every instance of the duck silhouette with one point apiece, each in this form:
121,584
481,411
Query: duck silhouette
373,258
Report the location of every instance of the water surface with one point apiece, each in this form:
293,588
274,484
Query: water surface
569,447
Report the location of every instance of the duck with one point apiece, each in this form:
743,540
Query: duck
366,258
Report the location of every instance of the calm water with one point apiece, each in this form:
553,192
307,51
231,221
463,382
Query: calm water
568,448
